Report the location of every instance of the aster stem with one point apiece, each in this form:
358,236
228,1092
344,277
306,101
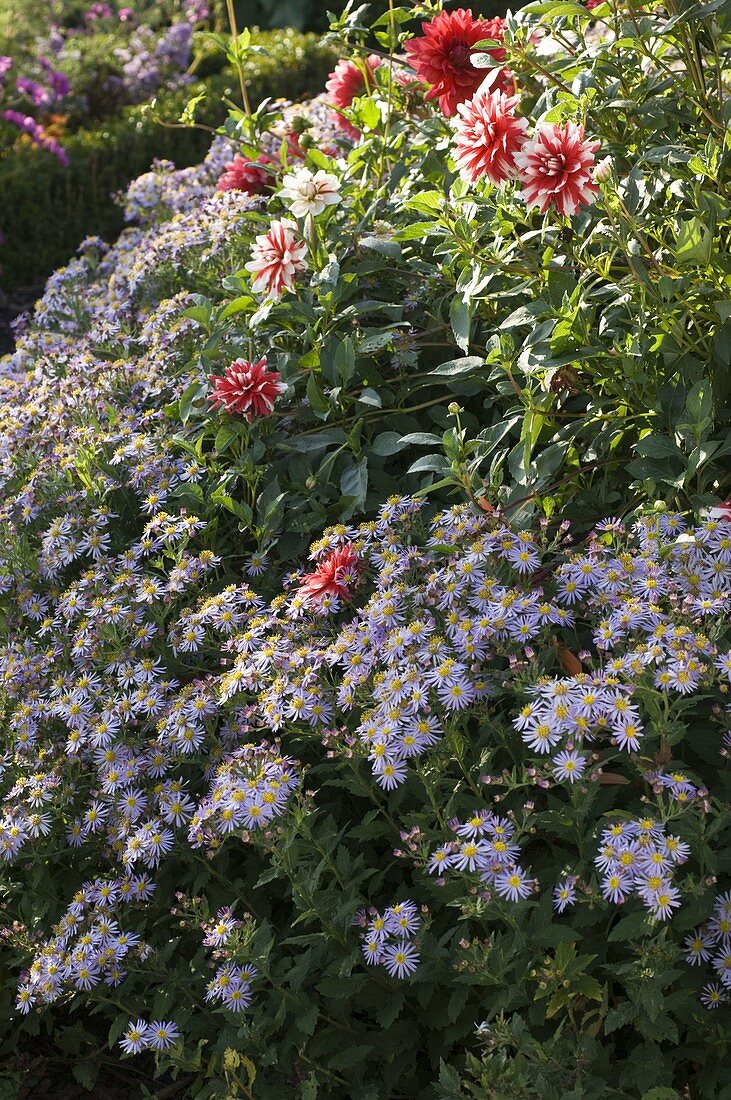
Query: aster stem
426,783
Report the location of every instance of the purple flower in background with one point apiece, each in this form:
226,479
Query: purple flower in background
386,941
196,11
36,133
38,95
6,64
149,62
55,40
59,81
126,15
98,11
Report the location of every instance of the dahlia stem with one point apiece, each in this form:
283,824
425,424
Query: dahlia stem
392,50
311,235
239,66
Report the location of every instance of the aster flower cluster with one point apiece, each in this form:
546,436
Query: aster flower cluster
249,791
424,646
485,844
156,1035
86,664
711,943
388,939
231,983
90,945
154,698
655,608
638,858
150,61
677,785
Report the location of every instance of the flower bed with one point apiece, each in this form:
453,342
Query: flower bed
365,584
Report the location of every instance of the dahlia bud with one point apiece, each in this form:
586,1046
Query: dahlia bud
603,170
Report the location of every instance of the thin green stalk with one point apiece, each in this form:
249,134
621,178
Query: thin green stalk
239,66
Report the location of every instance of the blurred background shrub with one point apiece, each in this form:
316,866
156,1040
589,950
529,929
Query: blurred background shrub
311,15
50,208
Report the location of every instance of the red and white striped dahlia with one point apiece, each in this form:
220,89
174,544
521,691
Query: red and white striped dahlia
488,135
276,258
242,175
555,168
248,388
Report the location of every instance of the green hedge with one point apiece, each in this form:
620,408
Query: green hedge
311,15
49,209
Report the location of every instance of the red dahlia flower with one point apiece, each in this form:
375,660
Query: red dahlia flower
442,56
346,82
334,576
555,169
242,175
488,135
247,388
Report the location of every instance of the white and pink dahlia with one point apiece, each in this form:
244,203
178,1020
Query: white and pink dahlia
488,136
309,193
556,169
276,258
